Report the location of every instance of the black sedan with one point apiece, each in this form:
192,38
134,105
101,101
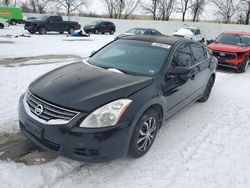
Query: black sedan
140,31
114,102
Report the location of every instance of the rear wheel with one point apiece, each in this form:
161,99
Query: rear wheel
32,31
96,31
243,66
42,31
144,133
1,26
112,32
208,90
71,30
12,22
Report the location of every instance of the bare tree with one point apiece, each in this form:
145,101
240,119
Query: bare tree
35,6
70,6
246,9
183,7
130,7
119,8
197,8
6,2
166,9
151,8
110,7
226,9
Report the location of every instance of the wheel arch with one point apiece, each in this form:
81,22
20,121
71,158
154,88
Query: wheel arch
158,105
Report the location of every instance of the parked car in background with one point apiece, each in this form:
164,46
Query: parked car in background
103,27
140,31
192,33
114,102
232,49
3,23
51,23
12,14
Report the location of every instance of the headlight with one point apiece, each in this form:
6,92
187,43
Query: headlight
92,27
107,115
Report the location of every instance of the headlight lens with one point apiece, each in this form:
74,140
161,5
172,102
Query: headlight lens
107,115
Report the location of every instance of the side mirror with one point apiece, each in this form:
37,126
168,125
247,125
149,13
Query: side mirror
178,71
210,41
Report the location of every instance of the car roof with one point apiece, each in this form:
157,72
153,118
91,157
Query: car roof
143,28
190,27
159,39
237,33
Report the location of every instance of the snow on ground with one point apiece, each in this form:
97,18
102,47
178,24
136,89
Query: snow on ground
51,44
203,146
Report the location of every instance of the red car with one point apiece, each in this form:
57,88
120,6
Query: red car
232,49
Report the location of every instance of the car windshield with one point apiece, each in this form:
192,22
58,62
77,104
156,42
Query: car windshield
132,57
233,39
43,18
136,31
191,29
95,23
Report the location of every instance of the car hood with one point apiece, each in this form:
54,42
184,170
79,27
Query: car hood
88,26
227,48
34,21
83,87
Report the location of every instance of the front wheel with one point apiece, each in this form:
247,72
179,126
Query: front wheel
42,31
71,30
243,66
112,32
96,31
32,31
208,90
144,133
1,26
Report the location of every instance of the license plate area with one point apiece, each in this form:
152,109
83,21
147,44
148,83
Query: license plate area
36,130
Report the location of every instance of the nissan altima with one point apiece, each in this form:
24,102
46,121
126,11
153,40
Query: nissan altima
114,102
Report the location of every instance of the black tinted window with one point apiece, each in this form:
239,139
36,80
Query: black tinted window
132,57
55,19
183,57
199,53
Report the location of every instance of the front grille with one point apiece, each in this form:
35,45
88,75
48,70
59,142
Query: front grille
49,112
224,55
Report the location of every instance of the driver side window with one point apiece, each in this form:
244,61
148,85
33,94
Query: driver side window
182,57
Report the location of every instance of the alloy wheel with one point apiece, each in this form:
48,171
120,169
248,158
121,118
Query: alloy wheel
147,134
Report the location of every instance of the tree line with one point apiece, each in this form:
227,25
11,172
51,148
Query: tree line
225,11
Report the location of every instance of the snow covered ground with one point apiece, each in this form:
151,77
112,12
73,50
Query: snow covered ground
52,44
204,146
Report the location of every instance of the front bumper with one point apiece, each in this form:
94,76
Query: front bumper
82,144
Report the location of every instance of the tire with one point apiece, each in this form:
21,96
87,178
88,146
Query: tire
243,66
112,32
96,31
42,31
208,90
13,22
71,30
103,33
144,134
32,31
1,26
61,32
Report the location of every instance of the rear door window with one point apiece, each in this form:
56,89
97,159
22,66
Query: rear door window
199,52
183,57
